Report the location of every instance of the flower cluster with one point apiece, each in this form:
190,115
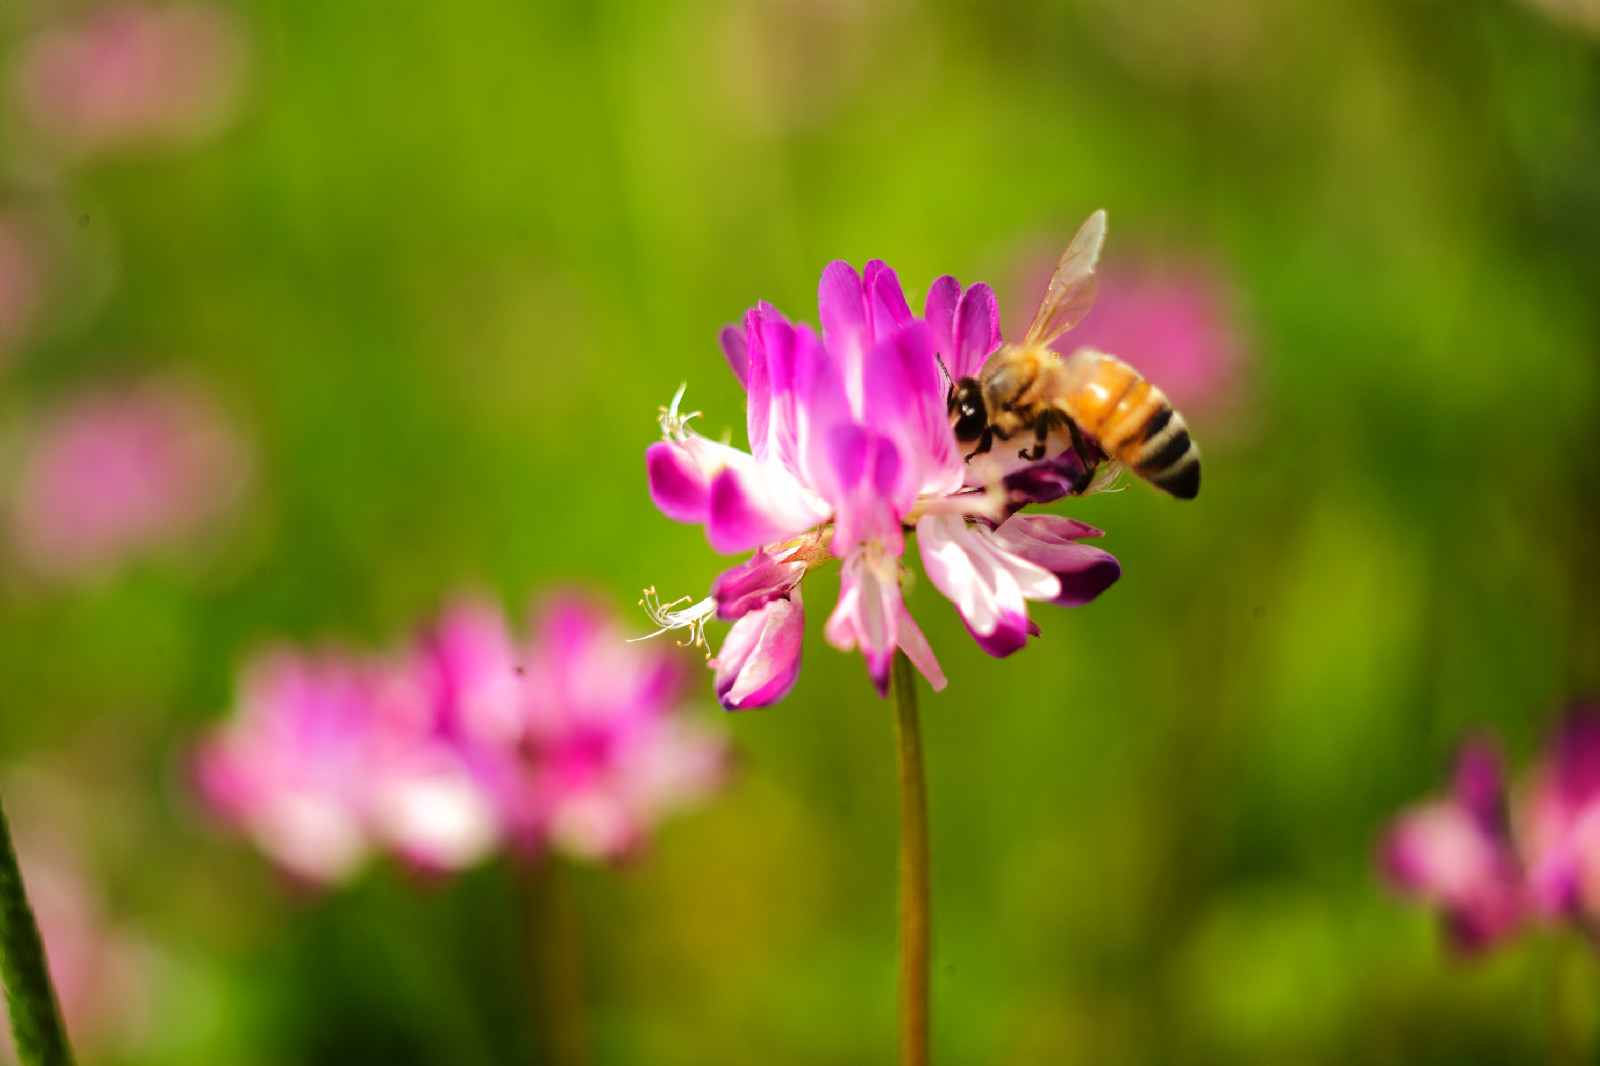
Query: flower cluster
850,447
1492,863
466,741
131,72
116,473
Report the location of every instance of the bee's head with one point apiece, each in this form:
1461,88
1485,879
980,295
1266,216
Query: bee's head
968,417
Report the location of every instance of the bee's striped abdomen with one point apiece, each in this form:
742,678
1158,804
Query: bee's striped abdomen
1165,455
1134,423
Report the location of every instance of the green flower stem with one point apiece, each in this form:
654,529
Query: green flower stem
30,997
913,869
560,1018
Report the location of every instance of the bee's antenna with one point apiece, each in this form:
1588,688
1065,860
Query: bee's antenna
946,370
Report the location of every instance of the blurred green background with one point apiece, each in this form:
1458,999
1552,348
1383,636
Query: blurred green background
449,260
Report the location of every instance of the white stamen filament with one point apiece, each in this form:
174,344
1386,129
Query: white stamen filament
668,617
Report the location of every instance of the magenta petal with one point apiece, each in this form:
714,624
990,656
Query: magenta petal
736,521
940,314
1479,784
760,657
842,307
1010,635
677,486
735,349
758,384
1576,759
976,330
754,583
1051,541
888,303
915,645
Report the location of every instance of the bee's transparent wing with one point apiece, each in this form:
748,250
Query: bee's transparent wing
1072,287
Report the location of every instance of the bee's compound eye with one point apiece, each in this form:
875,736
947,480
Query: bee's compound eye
970,416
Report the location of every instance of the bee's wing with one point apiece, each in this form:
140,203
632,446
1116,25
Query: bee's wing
1072,286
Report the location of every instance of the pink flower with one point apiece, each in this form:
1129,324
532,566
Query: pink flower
1560,829
1457,853
850,445
610,753
467,741
118,473
130,72
292,768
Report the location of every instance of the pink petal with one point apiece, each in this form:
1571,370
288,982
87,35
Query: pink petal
915,645
1051,542
760,658
976,330
678,486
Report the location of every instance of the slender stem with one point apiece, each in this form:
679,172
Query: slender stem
562,1031
30,997
913,869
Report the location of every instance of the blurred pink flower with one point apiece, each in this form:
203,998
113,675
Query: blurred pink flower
608,754
118,473
292,768
465,742
1560,827
132,72
1457,853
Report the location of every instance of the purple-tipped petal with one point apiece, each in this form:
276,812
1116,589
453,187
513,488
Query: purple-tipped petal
678,486
760,658
754,583
1010,634
869,611
989,585
1052,542
734,347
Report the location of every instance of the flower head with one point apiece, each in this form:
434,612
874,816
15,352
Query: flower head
465,741
118,473
1561,825
850,447
130,72
1457,853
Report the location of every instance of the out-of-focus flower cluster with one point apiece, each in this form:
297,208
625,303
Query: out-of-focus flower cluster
468,740
117,473
1492,860
131,73
851,446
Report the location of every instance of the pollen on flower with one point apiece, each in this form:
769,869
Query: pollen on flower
673,424
668,617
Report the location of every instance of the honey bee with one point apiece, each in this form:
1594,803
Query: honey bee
1101,400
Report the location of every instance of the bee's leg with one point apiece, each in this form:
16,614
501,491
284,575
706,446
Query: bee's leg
1041,433
1080,446
985,442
